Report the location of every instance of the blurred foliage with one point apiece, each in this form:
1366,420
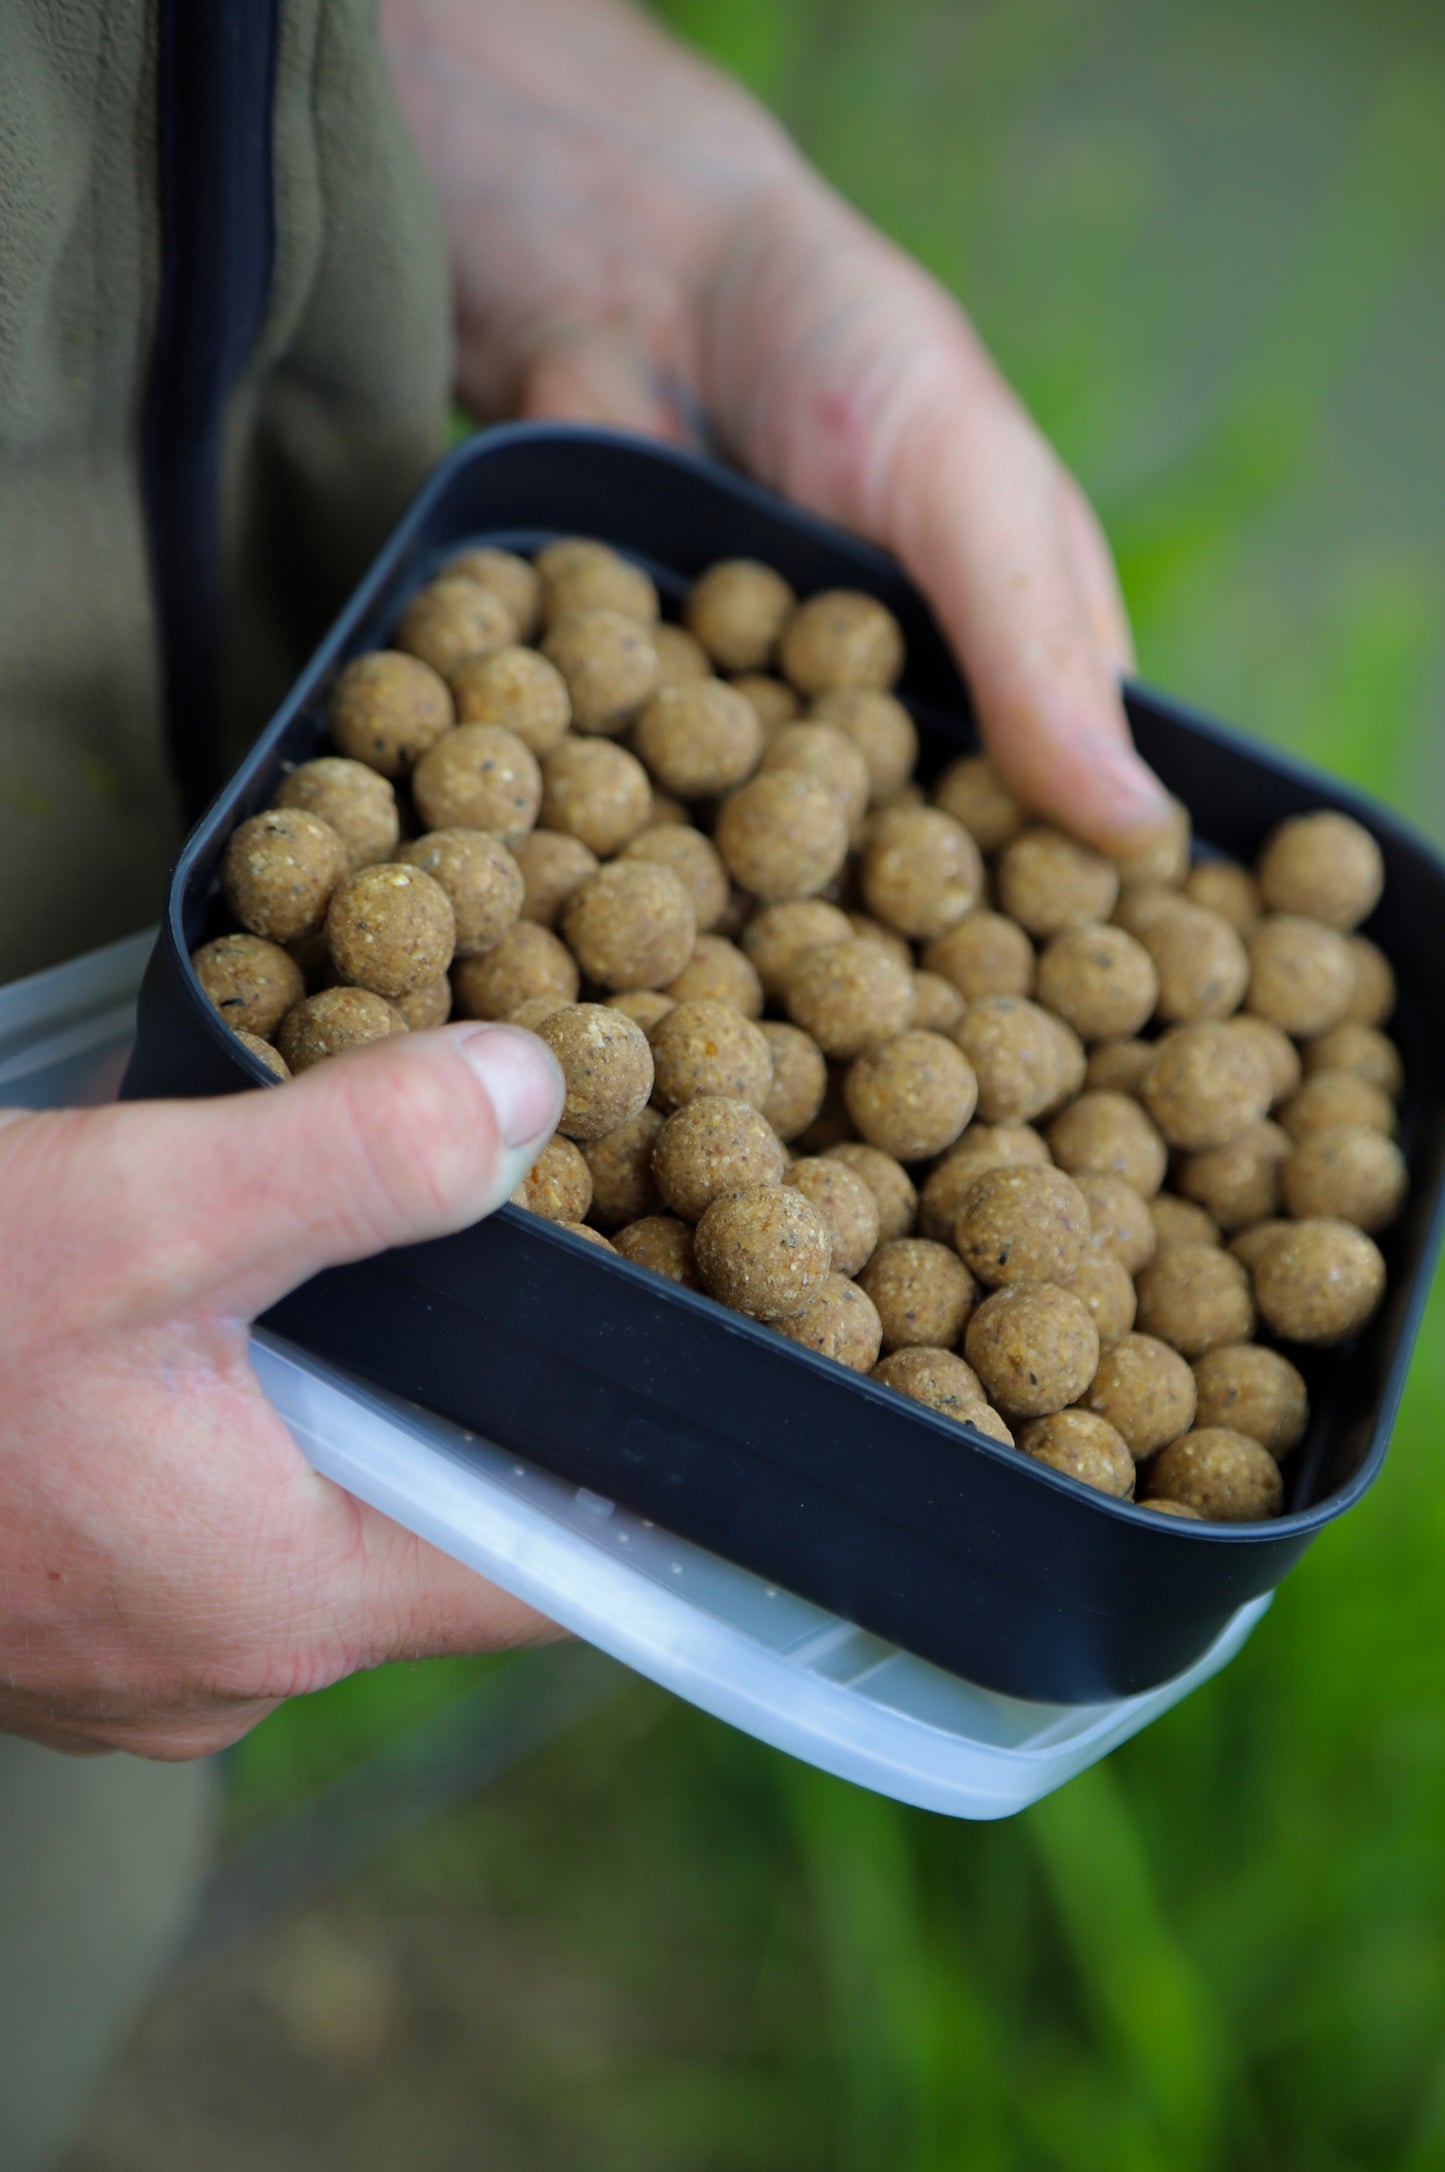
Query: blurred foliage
1207,242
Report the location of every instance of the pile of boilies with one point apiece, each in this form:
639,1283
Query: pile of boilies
902,1073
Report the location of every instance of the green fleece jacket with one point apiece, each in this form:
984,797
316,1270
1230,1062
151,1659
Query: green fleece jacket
340,412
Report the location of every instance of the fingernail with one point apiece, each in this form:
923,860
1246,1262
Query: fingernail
1134,784
522,1080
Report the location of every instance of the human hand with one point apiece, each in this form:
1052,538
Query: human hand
170,1566
636,242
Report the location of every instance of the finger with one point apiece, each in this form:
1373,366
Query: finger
600,376
412,1601
1096,577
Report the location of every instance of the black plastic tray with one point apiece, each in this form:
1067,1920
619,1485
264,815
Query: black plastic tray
951,1545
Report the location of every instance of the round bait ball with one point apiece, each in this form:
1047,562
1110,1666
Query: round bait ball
358,802
775,703
508,577
699,738
1108,1291
589,1236
1230,891
1250,1246
1145,1390
881,729
841,638
451,619
646,1006
911,1095
596,792
737,610
387,709
710,1048
939,1379
783,835
937,1005
630,925
679,656
921,871
663,1245
480,777
426,1008
1372,982
553,867
1281,1057
777,937
1223,1476
1179,1221
263,1052
718,972
280,871
1248,1389
1138,908
620,1165
1109,1135
1118,1067
1048,883
1026,1061
846,1205
1361,1050
1301,975
983,1147
923,1292
531,1011
517,689
974,793
1119,1219
528,961
1238,1184
1333,1098
1022,1225
1098,980
840,1322
609,664
329,1023
694,861
482,881
1319,1282
1034,1347
826,753
849,995
1164,859
391,929
1202,964
250,982
1196,1298
1206,1085
869,930
799,1079
1081,1446
710,1147
1325,866
764,1252
578,574
606,1064
558,1186
887,1179
1353,1174
984,955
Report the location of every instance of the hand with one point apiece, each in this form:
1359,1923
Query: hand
170,1566
636,242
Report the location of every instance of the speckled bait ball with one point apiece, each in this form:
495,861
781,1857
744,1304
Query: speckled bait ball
911,1095
846,1205
1048,883
775,703
250,982
391,929
480,777
841,638
974,793
799,1080
426,1008
1108,1291
1250,1246
849,995
609,664
1109,1135
1301,975
1119,1219
1202,964
451,619
710,1048
1164,860
887,1179
1196,1298
1206,1085
579,574
558,1186
1098,980
1225,1477
482,881
737,610
1281,1057
921,871
1026,1061
699,738
1082,1446
528,961
825,753
328,1024
1323,865
620,1162
512,579
630,925
923,1292
1319,1282
280,871
1145,1390
359,804
264,1053
784,835
718,972
710,1147
839,1322
1034,1347
1353,1174
517,689
663,1245
1361,1050
1232,892
552,867
763,1252
777,937
937,1005
1333,1098
691,857
387,709
1372,982
984,955
883,732
1179,1221
645,1006
1118,1067
606,1064
982,1147
939,1379
1022,1225
679,657
1238,1184
1248,1389
596,792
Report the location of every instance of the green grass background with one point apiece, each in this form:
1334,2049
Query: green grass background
1208,243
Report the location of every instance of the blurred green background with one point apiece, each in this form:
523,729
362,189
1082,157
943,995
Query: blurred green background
1207,240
